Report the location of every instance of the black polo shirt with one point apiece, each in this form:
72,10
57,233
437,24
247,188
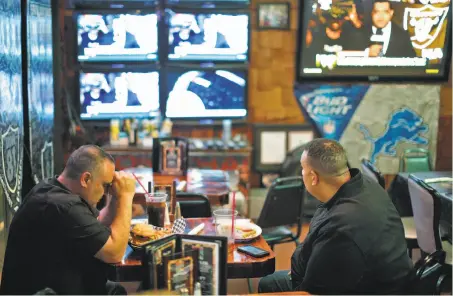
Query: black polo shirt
52,242
355,244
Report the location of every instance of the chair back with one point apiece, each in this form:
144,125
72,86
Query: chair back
427,272
415,160
291,164
283,204
426,209
194,205
372,172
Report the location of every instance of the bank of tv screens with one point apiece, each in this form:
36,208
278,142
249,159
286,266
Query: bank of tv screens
208,37
116,37
374,40
206,94
119,95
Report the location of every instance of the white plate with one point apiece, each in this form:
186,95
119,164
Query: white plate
255,227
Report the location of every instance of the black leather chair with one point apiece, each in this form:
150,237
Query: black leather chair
426,206
193,205
410,234
283,207
373,172
427,274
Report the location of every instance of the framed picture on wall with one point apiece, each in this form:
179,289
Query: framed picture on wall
273,16
273,142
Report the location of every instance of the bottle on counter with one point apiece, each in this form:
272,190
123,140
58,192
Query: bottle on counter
197,291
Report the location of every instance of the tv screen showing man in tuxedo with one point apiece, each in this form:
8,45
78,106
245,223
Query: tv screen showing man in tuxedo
374,38
386,37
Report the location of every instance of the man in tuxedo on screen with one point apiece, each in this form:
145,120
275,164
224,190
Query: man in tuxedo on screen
387,39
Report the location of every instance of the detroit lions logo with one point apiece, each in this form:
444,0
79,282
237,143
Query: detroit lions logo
405,126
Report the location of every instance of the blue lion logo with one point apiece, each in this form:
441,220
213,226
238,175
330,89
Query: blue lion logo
404,125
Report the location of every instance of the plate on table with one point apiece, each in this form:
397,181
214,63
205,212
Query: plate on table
142,234
246,231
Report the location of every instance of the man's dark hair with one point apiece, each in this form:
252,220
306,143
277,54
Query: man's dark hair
384,1
87,158
327,157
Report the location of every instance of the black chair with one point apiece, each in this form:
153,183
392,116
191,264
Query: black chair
193,205
373,172
410,234
427,273
426,206
283,207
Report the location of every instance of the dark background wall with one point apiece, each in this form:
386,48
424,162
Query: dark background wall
271,79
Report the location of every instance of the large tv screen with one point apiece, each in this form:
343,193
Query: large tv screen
119,95
208,37
374,40
206,94
117,37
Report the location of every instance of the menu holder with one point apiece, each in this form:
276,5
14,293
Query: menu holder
182,260
213,256
181,271
171,155
152,261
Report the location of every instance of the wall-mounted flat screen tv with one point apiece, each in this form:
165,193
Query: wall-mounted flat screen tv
109,95
208,37
117,37
208,94
374,40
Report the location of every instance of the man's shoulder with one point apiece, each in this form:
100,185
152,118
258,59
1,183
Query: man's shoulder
51,193
397,30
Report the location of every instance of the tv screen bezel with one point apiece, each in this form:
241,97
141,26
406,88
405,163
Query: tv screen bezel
197,67
193,10
146,11
117,4
115,68
211,4
370,78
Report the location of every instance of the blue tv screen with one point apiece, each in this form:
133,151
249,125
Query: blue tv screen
119,95
117,37
206,94
208,37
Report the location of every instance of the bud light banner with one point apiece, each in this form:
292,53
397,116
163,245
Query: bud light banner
330,107
377,122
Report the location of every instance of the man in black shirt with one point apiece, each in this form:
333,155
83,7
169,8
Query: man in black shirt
356,243
56,239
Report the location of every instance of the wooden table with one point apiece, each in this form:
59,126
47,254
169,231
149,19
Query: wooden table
198,181
239,265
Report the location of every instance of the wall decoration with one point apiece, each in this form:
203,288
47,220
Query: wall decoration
375,122
273,16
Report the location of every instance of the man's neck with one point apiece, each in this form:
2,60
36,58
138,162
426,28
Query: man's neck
68,183
331,188
387,27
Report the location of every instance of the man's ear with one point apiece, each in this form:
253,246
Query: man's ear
85,178
314,178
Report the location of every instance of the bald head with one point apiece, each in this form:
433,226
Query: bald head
327,157
87,158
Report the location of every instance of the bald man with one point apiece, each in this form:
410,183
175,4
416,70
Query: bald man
356,242
57,239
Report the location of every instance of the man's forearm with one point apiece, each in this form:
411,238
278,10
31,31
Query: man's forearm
107,213
121,223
